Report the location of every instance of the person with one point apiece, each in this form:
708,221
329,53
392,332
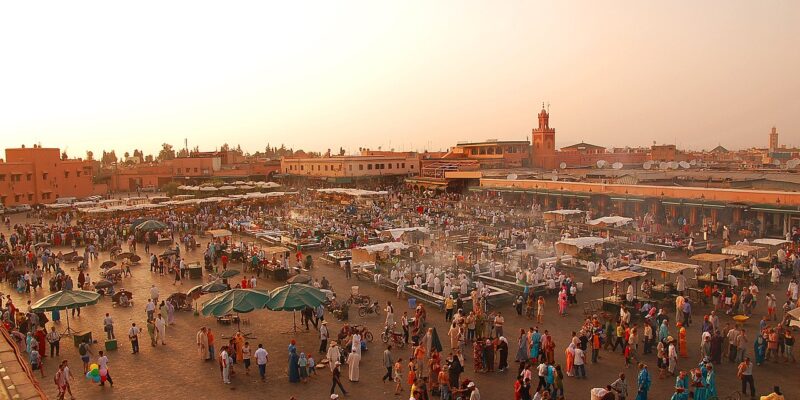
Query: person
475,393
642,383
63,381
621,387
55,341
775,395
745,374
102,362
85,353
681,387
333,355
133,335
323,336
210,343
294,359
579,363
502,348
336,378
397,376
261,360
387,363
760,349
246,357
161,329
353,361
108,327
201,339
36,360
225,365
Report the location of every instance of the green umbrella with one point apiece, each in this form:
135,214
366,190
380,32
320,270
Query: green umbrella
64,300
214,287
228,273
236,300
293,297
151,225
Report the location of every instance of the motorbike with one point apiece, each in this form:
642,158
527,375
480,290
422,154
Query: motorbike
396,338
373,308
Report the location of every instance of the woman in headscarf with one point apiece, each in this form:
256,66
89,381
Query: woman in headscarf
30,342
569,352
663,331
760,347
488,352
294,368
302,365
536,341
699,384
716,347
522,347
502,348
684,351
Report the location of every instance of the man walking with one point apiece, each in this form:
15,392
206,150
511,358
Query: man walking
55,341
745,373
323,337
388,363
133,335
108,326
261,360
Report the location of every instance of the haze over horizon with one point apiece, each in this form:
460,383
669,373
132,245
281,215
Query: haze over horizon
412,75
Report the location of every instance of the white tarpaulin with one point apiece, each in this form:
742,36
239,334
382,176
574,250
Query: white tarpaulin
564,212
615,221
389,246
771,242
583,242
353,192
397,232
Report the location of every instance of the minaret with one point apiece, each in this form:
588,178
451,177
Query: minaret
773,139
543,148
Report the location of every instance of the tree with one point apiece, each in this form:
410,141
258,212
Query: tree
171,188
127,155
166,153
225,147
183,153
148,158
64,155
89,155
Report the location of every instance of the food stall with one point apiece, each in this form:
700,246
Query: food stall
372,254
773,245
556,217
581,249
713,261
616,297
666,289
744,252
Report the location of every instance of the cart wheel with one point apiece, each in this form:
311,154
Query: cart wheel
370,338
384,337
362,311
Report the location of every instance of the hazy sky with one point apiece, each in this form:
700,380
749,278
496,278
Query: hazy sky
403,74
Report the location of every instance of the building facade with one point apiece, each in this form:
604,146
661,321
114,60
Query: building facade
494,153
37,175
346,169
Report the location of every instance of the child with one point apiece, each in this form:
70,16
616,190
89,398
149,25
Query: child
302,366
311,365
398,373
627,353
246,357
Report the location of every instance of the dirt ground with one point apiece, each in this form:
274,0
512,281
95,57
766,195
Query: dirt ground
175,371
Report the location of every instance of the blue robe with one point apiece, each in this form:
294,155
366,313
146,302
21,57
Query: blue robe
536,340
700,392
522,350
711,385
681,383
643,385
663,332
294,359
760,347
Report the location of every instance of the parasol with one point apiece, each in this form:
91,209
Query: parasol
64,300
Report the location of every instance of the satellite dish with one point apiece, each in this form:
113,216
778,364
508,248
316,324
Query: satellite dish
693,162
663,165
617,165
793,163
601,163
563,165
647,165
684,164
511,177
673,165
777,163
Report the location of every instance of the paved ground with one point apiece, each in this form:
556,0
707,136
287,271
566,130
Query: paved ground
175,371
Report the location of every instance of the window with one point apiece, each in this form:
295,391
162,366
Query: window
369,166
195,170
360,167
351,167
302,168
78,173
499,150
66,174
179,171
2,177
30,197
44,176
412,166
490,150
16,198
404,165
28,177
45,196
326,168
398,165
390,165
474,152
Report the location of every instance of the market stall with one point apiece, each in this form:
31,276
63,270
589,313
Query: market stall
666,289
616,299
713,261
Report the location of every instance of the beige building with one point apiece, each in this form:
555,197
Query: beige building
348,168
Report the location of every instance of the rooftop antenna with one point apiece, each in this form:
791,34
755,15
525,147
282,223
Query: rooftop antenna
548,107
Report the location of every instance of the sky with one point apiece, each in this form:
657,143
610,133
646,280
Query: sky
403,75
